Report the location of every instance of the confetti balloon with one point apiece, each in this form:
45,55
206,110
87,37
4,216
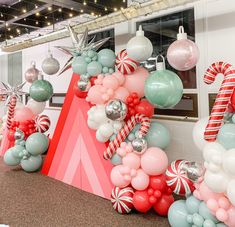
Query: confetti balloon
177,179
124,64
31,74
50,65
42,123
122,199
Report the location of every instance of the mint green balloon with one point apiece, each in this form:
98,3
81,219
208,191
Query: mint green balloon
9,159
163,88
94,68
79,65
31,164
226,136
198,219
192,204
41,90
206,214
158,135
209,223
37,143
177,214
106,57
17,151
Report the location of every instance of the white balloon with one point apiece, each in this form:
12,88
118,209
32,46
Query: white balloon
229,162
92,124
36,107
106,130
217,182
231,191
101,138
19,105
198,132
213,152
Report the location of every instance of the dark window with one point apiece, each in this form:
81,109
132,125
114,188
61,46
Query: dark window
212,98
57,100
162,31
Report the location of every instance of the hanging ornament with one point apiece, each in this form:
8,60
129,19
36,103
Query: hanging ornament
50,65
163,87
31,74
41,90
183,54
124,64
139,48
80,45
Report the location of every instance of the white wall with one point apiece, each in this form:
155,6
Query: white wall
215,36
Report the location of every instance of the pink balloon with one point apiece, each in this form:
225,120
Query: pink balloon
135,82
131,160
121,93
231,217
23,114
94,95
140,181
154,161
117,178
111,82
120,77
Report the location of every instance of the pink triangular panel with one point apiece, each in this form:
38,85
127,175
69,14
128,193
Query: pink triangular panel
6,143
75,156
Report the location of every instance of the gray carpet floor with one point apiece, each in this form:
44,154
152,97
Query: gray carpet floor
34,200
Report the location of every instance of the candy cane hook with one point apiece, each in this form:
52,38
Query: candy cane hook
124,132
222,99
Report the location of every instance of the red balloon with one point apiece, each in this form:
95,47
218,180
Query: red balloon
78,92
141,201
144,107
158,183
10,135
163,204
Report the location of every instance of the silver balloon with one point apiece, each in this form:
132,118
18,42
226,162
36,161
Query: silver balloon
193,170
84,84
116,110
19,135
50,65
139,145
31,74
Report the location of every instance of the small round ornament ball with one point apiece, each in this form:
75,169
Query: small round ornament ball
41,90
163,87
31,74
106,57
183,54
79,65
50,65
122,199
124,64
139,48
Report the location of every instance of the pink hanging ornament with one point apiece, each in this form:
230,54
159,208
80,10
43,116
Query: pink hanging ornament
183,54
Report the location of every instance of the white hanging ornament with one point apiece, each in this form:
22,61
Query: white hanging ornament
50,65
139,48
183,54
31,74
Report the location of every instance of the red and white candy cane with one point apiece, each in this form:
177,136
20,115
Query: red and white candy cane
125,131
222,99
11,110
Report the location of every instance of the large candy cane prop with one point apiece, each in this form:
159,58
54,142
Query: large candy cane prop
125,131
11,110
222,99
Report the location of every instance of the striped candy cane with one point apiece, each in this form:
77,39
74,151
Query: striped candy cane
222,99
11,110
125,131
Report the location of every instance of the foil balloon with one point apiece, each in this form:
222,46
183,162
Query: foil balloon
19,135
80,45
31,74
193,170
116,110
84,84
50,65
163,87
139,145
183,54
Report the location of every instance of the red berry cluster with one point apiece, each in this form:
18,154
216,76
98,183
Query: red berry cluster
28,127
132,101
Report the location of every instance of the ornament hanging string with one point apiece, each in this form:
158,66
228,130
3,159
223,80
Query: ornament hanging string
125,131
222,99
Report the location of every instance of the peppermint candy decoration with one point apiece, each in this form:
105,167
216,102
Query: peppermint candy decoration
177,179
42,123
124,64
122,199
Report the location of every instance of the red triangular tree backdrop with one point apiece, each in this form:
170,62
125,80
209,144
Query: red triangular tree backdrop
75,156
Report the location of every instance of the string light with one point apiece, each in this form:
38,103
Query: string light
36,6
84,3
24,10
15,17
24,19
95,1
92,14
71,8
123,0
70,14
9,29
36,22
81,11
49,8
115,9
11,36
45,17
60,10
1,15
105,9
18,30
48,23
37,14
